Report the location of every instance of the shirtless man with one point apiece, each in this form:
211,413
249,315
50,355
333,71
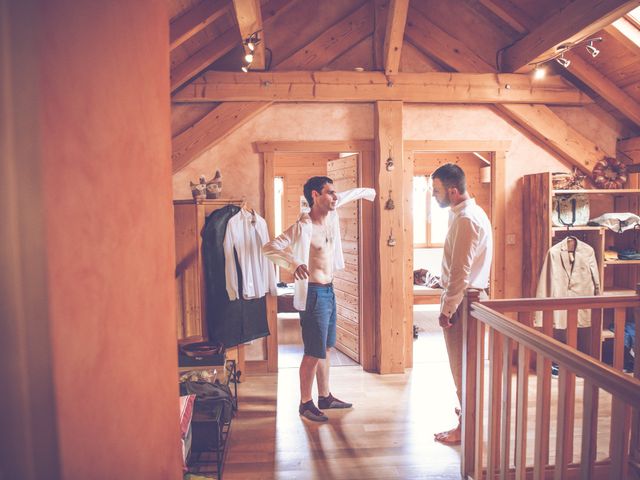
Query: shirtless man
311,249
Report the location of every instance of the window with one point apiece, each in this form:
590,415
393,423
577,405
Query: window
430,221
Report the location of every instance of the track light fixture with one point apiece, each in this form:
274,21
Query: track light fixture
539,70
250,44
593,51
565,62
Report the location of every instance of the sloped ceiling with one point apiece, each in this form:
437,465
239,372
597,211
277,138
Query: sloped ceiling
458,35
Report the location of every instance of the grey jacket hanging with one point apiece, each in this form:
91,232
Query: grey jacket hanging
562,278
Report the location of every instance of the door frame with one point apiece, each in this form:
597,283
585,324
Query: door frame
365,151
498,150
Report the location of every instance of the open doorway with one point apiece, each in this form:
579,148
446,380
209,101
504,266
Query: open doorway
290,171
430,224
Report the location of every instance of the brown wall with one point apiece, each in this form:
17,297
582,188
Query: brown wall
109,236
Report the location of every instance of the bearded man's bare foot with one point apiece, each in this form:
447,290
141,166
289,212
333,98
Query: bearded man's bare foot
450,437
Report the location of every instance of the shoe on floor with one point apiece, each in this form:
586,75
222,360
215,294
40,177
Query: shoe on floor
332,402
310,411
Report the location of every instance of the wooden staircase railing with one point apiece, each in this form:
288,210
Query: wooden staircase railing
488,450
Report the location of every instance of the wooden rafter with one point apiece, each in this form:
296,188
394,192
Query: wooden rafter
574,23
250,22
218,47
626,33
335,41
534,120
349,86
211,130
592,77
604,87
630,148
195,20
508,12
396,20
227,117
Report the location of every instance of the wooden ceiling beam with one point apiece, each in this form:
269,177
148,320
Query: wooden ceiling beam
217,48
195,20
335,41
249,20
575,22
394,35
349,86
604,87
625,33
630,148
211,130
508,13
533,120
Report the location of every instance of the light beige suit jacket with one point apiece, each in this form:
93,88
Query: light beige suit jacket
561,278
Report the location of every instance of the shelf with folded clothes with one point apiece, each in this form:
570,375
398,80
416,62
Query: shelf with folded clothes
621,262
621,191
578,228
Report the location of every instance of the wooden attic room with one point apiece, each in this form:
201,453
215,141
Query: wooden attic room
124,106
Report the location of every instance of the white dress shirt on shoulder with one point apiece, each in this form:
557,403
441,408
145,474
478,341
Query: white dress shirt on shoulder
246,233
468,251
291,248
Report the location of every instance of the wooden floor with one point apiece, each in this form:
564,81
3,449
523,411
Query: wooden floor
388,434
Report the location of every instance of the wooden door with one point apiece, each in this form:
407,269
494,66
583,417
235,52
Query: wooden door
344,173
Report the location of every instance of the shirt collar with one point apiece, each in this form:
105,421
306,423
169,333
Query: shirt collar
462,205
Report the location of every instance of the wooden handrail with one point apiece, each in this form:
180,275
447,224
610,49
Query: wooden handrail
611,380
580,303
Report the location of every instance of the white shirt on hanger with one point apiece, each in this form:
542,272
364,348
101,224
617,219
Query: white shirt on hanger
247,233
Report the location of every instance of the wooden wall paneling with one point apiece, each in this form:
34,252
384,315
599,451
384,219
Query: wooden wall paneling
413,60
498,221
272,306
380,14
537,218
188,305
368,274
392,288
358,56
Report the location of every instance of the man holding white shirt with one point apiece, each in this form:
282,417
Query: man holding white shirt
466,263
311,249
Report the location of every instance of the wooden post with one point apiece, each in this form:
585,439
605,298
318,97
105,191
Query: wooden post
272,302
469,372
392,242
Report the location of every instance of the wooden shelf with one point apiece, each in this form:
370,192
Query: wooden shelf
577,229
621,262
622,191
618,291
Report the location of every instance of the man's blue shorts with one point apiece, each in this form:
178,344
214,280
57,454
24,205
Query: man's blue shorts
318,321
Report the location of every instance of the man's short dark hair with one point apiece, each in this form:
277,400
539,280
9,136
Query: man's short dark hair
317,184
451,175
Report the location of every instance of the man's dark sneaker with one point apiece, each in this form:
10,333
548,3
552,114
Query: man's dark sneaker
554,370
309,410
332,402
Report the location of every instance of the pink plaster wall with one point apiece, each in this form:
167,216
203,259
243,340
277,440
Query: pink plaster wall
236,159
109,235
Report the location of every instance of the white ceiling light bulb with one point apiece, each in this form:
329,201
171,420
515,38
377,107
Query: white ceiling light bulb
251,46
539,72
245,69
248,57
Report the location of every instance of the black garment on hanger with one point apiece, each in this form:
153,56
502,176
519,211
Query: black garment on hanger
228,322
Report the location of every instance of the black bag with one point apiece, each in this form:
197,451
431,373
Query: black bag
208,396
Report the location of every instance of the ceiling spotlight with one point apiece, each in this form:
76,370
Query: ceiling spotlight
592,50
565,62
248,57
251,46
539,72
245,68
